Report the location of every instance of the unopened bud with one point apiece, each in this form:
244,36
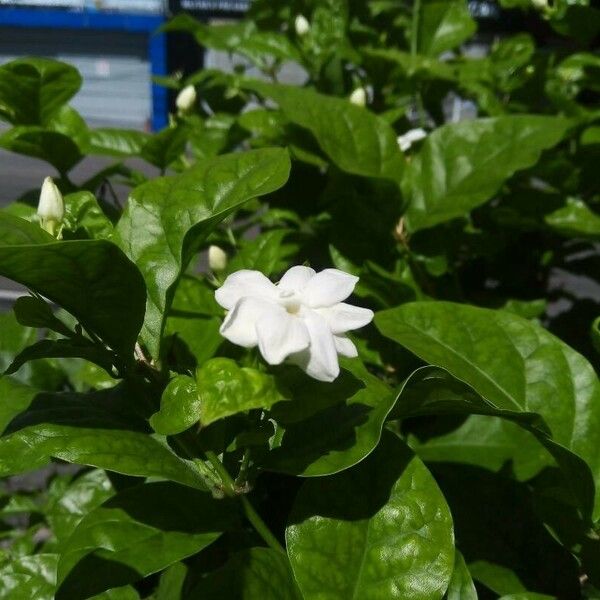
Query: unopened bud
186,99
51,207
217,258
540,4
301,25
410,137
359,97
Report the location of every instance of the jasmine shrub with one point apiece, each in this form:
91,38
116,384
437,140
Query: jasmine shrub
344,347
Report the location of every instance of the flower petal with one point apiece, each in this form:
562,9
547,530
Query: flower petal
328,288
296,278
280,334
239,326
344,317
320,359
244,283
345,346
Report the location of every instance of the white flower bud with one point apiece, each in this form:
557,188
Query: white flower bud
186,99
540,4
359,97
410,137
217,258
301,25
51,207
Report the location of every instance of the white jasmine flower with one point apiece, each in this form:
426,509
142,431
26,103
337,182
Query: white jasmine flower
217,258
359,97
410,137
302,318
301,25
51,207
186,99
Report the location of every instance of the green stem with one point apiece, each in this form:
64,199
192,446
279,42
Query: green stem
226,480
260,526
414,36
251,514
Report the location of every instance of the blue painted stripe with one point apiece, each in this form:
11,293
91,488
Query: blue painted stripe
69,19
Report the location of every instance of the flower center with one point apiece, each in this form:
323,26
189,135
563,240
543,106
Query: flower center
290,301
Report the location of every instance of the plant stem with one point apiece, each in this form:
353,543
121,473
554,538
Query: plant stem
226,480
414,35
260,526
251,514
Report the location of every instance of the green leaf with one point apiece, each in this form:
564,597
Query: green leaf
28,577
92,279
71,348
33,89
53,147
179,406
82,211
96,429
306,443
140,531
355,139
164,147
168,218
31,311
266,253
462,165
226,389
252,574
379,530
575,219
68,507
489,442
461,585
517,367
242,38
443,26
116,142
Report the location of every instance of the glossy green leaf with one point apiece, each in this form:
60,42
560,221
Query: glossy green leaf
164,147
100,430
179,406
306,444
166,219
242,38
461,585
355,139
462,165
490,442
266,253
55,148
31,311
28,577
139,531
516,366
253,574
443,26
92,279
68,506
379,530
32,90
82,211
226,389
73,348
575,219
116,142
